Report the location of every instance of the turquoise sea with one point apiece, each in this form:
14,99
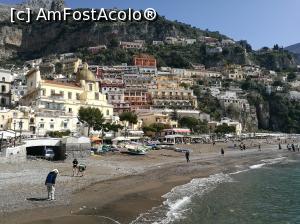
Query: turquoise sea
264,193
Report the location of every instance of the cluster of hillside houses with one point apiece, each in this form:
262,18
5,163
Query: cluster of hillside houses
47,93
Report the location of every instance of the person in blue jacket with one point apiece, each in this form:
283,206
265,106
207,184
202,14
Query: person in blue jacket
50,183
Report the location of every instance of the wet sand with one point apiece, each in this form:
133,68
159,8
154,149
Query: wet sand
122,199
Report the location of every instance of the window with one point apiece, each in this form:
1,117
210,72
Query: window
51,126
107,112
3,89
70,110
69,95
65,125
3,79
96,96
91,87
77,96
62,93
43,92
52,91
3,101
42,125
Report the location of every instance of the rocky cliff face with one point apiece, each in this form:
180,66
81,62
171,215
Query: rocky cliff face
56,5
16,38
10,40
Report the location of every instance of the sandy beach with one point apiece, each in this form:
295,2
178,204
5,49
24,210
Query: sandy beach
117,187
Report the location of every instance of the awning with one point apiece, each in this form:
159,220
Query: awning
8,134
174,136
95,139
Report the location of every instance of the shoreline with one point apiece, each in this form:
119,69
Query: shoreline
125,198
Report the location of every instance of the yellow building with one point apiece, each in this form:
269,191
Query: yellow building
57,103
169,94
149,118
17,119
70,65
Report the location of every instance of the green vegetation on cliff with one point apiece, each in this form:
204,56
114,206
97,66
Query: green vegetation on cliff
275,111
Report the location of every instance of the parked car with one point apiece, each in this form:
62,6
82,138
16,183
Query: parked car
49,154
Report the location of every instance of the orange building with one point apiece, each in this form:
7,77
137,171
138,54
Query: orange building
144,60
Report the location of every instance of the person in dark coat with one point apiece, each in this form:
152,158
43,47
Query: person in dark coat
75,168
50,183
187,156
222,152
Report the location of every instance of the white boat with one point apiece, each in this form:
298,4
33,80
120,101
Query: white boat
136,149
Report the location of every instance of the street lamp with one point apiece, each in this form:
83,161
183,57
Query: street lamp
21,126
15,133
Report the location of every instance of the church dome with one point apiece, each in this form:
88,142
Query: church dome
85,74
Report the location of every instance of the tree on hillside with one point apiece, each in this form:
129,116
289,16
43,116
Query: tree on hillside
245,45
174,115
233,112
225,129
154,129
113,43
276,47
130,117
111,127
291,76
188,122
91,118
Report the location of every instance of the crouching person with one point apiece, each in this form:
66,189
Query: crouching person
82,169
50,183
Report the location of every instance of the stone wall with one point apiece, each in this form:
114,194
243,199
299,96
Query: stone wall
78,150
13,155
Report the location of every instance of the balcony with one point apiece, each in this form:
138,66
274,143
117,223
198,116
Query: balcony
56,97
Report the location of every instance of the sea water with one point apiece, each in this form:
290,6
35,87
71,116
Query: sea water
263,193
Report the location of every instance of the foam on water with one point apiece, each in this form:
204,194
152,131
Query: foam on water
257,166
267,162
177,200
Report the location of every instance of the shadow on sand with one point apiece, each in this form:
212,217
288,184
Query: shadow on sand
36,199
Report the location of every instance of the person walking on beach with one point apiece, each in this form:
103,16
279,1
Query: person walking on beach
222,152
293,147
75,168
259,147
187,156
244,147
279,146
50,183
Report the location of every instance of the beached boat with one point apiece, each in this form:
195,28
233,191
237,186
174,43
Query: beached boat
136,149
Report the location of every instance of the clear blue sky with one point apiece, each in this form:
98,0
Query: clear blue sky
261,22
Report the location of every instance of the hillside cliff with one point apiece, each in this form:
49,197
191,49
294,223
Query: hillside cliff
20,42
